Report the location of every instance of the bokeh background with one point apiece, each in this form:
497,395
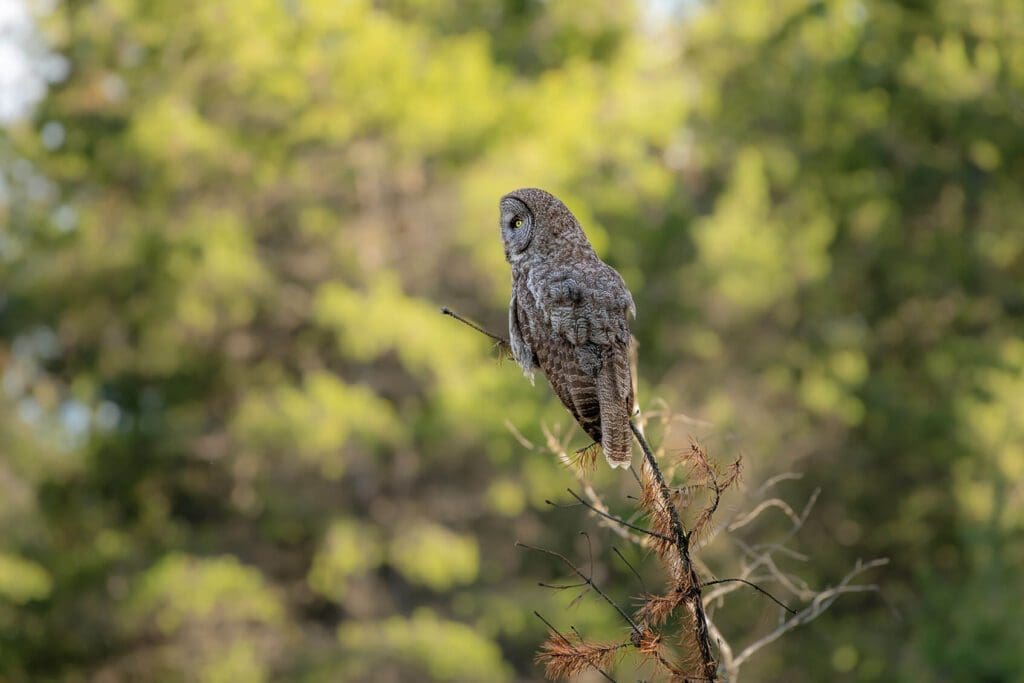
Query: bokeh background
239,443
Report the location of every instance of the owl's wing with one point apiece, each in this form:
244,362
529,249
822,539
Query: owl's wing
589,309
521,351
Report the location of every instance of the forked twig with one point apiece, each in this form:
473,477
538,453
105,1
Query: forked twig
821,602
588,580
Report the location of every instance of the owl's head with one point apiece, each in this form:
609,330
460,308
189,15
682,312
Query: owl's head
531,217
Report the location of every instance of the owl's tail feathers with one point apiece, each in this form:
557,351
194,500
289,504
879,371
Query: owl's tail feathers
618,458
614,390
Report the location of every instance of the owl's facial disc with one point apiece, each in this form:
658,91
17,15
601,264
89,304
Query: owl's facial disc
516,226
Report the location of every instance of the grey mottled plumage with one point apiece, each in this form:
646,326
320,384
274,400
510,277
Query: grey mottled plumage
569,317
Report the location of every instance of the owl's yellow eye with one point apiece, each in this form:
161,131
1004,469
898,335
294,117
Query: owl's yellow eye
518,223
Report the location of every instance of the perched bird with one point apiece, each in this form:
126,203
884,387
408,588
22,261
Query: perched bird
569,316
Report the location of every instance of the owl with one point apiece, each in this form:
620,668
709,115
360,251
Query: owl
569,316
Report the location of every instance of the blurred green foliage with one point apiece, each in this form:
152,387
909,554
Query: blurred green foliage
239,442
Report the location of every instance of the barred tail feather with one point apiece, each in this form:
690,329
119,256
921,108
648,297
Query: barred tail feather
615,452
615,391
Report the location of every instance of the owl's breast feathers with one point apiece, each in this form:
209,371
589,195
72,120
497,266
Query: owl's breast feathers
573,323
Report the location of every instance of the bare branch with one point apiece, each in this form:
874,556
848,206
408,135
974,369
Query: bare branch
599,505
821,602
561,587
590,551
639,578
772,481
765,559
618,526
771,502
755,587
784,550
617,520
588,580
518,436
705,482
689,580
449,312
797,520
724,649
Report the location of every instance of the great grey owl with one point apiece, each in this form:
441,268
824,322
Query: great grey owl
569,317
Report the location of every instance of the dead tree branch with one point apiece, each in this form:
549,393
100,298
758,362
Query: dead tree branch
821,602
664,504
687,581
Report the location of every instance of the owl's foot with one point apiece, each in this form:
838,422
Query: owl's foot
504,350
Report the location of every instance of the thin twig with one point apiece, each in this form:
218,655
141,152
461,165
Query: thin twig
590,551
617,520
518,435
639,578
723,648
778,548
588,580
563,586
447,311
636,476
821,602
557,448
755,587
766,560
772,481
595,500
771,502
